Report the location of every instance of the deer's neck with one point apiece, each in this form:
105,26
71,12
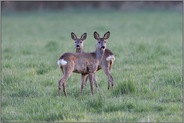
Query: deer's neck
99,54
78,50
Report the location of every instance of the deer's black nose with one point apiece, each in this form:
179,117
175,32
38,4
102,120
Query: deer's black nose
77,45
103,47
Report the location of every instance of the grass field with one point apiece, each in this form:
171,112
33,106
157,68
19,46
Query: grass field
147,70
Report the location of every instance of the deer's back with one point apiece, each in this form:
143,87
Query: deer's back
108,52
68,56
82,62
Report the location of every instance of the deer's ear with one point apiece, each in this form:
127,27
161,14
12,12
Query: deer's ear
96,35
106,35
74,37
84,36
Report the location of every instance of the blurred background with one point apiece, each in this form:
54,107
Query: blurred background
63,5
146,39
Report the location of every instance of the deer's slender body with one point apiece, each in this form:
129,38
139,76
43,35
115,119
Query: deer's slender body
105,64
84,63
81,62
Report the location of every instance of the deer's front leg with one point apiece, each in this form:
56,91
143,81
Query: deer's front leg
83,77
86,80
91,79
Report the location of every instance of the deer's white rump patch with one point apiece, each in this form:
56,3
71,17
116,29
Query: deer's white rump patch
61,62
110,57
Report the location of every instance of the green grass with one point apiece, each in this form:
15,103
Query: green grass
147,70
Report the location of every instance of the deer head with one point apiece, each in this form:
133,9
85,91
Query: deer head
101,42
79,42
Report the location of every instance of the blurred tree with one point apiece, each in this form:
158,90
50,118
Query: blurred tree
54,5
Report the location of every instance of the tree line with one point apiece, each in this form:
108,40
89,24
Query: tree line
59,5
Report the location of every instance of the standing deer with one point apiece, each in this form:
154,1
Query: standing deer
79,43
106,61
84,63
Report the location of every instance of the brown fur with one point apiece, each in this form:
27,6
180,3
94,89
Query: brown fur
107,65
85,63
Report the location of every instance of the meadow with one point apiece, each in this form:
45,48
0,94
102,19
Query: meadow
147,70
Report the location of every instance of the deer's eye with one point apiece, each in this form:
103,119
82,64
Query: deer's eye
99,42
75,42
80,41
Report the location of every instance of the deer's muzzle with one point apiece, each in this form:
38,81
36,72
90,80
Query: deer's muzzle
77,46
103,47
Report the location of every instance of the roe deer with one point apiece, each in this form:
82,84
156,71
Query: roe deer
79,43
106,62
84,63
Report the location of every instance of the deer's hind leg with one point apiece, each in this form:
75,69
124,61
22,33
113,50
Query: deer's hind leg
105,68
110,63
67,71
